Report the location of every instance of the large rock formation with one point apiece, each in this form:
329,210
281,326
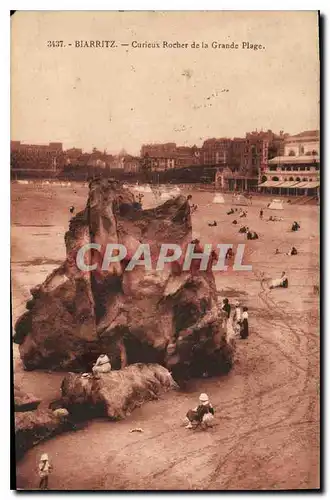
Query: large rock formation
24,401
132,316
31,427
114,394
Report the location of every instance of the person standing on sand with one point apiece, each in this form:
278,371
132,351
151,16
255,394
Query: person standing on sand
244,333
44,469
261,214
226,307
237,316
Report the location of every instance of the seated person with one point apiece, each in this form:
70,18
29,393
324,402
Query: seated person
295,226
284,280
280,282
102,365
202,414
234,221
293,251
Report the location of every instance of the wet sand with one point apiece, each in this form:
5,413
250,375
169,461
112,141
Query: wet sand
267,409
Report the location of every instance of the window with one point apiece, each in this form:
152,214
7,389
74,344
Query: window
275,178
288,169
311,180
263,178
305,179
302,169
291,179
292,153
308,168
297,178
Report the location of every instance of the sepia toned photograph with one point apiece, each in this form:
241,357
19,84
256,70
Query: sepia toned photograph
165,250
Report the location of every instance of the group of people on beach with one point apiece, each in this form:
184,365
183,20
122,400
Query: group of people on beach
236,323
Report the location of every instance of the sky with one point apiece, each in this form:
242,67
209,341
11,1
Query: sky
123,97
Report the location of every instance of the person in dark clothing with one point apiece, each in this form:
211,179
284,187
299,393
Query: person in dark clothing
71,209
213,224
261,214
226,307
284,280
252,235
231,211
230,253
244,332
294,251
234,221
202,413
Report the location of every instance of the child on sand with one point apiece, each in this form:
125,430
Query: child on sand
44,470
203,414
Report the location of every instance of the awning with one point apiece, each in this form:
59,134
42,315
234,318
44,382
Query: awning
288,184
294,160
307,185
270,184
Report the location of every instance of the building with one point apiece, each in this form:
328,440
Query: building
306,143
245,159
215,152
29,157
159,150
131,164
97,159
186,156
297,172
73,152
236,156
160,157
162,163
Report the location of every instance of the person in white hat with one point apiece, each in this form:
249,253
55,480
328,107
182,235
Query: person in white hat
44,470
202,414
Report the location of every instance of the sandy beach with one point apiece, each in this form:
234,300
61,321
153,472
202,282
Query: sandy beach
267,409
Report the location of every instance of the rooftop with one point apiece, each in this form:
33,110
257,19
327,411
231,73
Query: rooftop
285,160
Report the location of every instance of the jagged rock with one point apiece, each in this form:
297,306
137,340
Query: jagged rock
132,316
31,427
114,394
24,401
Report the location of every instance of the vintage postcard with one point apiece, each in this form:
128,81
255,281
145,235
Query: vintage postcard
165,204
